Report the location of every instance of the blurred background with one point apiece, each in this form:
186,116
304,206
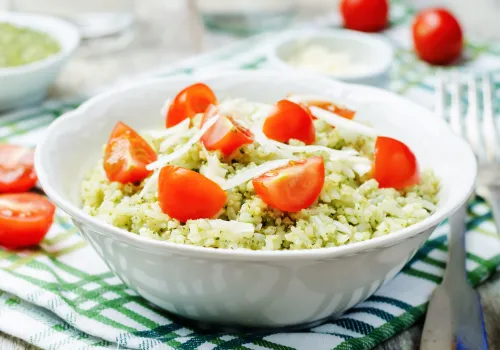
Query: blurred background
127,37
124,38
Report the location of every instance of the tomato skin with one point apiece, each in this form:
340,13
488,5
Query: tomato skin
395,165
226,135
25,219
190,101
293,187
17,171
365,15
290,121
184,194
127,155
437,36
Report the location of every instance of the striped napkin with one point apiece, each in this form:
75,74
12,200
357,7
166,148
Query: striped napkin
62,296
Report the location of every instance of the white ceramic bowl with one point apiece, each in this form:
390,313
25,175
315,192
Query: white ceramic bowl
28,84
371,51
249,288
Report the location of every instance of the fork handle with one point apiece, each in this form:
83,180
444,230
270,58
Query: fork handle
492,197
495,208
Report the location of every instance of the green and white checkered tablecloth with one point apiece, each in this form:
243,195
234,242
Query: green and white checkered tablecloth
62,296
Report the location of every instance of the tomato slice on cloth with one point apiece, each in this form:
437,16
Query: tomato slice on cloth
192,100
127,155
329,106
437,36
226,134
293,187
17,172
25,219
395,164
290,121
184,194
365,15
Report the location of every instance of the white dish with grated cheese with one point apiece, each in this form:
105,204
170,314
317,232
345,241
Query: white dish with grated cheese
341,54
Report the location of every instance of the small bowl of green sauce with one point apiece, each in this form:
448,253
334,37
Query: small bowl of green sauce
33,49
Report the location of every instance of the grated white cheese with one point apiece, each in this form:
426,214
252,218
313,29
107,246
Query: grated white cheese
321,59
173,139
245,112
213,169
150,184
346,103
162,161
249,174
361,168
334,153
341,122
159,134
360,165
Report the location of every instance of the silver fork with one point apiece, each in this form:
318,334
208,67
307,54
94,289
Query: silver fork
454,316
480,131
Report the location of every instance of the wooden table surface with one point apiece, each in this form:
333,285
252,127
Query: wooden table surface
163,34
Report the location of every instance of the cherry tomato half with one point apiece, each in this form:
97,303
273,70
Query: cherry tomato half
293,187
17,172
290,121
25,219
437,36
365,15
184,194
127,155
226,134
395,164
192,100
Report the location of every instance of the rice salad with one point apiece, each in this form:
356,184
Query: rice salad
350,206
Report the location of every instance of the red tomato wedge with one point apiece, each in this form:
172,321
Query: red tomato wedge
25,219
395,164
17,172
192,100
127,155
226,134
184,194
293,187
290,121
343,112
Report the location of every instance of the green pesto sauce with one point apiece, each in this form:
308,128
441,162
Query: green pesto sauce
20,45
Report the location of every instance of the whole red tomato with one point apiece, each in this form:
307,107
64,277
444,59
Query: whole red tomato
437,36
365,15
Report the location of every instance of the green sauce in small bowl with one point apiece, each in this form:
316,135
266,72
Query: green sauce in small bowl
21,45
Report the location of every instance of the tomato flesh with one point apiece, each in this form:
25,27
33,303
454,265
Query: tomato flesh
184,194
25,219
437,36
290,121
127,155
226,135
365,15
293,187
17,172
190,101
395,164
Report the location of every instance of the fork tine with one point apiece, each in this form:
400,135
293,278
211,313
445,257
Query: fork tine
472,119
455,108
489,128
439,96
